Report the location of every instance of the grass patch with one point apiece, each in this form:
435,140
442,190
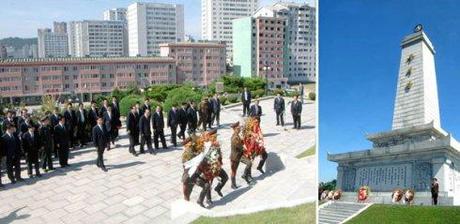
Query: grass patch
399,214
305,213
309,152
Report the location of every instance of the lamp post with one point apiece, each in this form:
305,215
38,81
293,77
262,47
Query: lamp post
266,68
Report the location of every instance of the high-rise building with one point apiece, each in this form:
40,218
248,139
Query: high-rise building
152,24
300,39
53,44
3,52
217,16
60,27
116,14
259,49
197,62
97,38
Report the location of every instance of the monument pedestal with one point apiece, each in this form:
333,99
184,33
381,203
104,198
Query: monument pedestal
421,198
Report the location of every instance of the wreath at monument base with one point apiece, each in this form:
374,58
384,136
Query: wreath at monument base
409,196
363,193
397,195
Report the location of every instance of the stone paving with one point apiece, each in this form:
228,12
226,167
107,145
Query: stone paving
142,189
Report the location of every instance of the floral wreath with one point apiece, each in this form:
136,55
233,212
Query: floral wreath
363,193
400,194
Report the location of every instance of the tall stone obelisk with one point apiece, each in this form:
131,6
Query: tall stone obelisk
417,93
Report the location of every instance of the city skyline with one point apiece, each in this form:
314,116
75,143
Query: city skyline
17,21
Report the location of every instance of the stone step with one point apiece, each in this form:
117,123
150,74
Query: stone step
329,220
335,214
345,210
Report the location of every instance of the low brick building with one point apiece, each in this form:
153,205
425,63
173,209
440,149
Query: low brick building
26,80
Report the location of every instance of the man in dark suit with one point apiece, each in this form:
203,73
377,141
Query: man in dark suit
296,110
12,149
54,118
215,101
145,132
62,141
109,124
182,120
93,114
82,119
8,120
132,127
101,142
173,121
246,98
46,143
256,110
71,123
158,125
105,105
116,116
146,105
192,118
138,115
31,146
279,107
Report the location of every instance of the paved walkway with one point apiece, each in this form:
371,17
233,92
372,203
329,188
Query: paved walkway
143,189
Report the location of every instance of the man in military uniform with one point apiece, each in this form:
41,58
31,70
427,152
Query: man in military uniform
236,155
205,113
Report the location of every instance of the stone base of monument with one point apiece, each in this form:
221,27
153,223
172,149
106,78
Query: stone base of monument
421,198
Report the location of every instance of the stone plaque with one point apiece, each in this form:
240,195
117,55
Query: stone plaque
384,177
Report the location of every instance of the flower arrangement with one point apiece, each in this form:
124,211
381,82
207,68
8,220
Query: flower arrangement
252,138
337,194
192,148
363,193
409,196
397,195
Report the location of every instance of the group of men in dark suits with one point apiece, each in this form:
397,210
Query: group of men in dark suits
141,121
56,134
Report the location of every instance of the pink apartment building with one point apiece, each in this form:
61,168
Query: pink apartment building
26,80
197,62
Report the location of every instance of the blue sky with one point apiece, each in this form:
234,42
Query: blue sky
359,62
22,17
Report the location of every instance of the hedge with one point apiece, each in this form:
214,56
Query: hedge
130,100
182,94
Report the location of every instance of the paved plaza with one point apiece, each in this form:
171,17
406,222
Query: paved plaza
144,189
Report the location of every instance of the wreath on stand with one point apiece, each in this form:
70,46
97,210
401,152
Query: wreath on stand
363,193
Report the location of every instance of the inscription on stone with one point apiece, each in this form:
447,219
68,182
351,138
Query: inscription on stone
384,177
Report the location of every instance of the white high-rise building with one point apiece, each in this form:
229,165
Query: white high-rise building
52,44
116,14
96,38
151,24
217,16
300,39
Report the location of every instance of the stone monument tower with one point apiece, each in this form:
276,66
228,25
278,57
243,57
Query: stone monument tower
417,149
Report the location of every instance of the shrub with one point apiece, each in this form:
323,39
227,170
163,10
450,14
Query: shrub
223,100
130,100
258,92
293,93
254,84
278,90
182,94
232,98
159,92
47,103
312,96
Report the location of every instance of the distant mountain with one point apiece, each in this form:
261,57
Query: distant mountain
17,42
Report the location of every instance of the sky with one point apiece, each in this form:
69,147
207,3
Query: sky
22,18
359,57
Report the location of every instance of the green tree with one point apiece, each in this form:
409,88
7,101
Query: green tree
182,94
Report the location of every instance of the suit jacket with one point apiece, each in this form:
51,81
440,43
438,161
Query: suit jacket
102,111
54,119
249,97
278,104
31,145
80,121
6,122
296,107
11,146
45,133
70,118
215,105
144,126
158,122
92,116
109,121
132,123
192,117
253,112
62,136
173,118
100,137
182,116
145,107
116,114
